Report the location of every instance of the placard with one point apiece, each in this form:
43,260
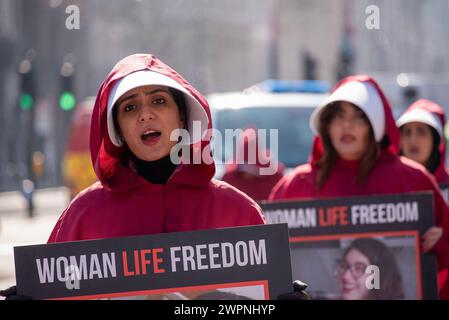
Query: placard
365,247
232,263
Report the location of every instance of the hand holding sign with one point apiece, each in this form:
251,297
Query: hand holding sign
299,292
11,294
431,237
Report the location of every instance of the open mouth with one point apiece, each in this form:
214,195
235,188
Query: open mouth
150,135
347,138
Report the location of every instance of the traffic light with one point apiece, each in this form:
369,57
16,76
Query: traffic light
67,99
27,85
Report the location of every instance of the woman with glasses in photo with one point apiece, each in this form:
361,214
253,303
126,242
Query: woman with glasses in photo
353,278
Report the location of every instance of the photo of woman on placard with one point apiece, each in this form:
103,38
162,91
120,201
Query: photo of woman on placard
353,276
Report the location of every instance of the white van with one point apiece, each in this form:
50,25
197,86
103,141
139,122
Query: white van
273,104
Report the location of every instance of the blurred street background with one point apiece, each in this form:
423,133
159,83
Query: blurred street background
54,55
17,229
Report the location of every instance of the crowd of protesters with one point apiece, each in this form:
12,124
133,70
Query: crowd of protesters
358,149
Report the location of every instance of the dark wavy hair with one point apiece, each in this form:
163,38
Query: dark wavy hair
378,254
327,161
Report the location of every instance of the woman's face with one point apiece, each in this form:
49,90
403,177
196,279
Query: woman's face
353,277
417,141
349,132
147,116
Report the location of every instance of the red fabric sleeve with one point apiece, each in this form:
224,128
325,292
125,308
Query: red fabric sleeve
278,191
67,227
257,216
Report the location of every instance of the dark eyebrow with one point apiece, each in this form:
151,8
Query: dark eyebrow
156,91
146,93
126,98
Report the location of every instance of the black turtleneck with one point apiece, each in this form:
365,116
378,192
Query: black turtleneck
157,172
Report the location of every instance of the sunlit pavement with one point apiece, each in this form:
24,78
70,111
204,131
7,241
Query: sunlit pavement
16,229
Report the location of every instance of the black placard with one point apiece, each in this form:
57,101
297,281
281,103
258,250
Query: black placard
231,263
323,230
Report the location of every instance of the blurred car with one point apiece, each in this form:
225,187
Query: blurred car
273,104
77,169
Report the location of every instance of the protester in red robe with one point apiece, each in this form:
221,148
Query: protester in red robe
355,152
246,175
